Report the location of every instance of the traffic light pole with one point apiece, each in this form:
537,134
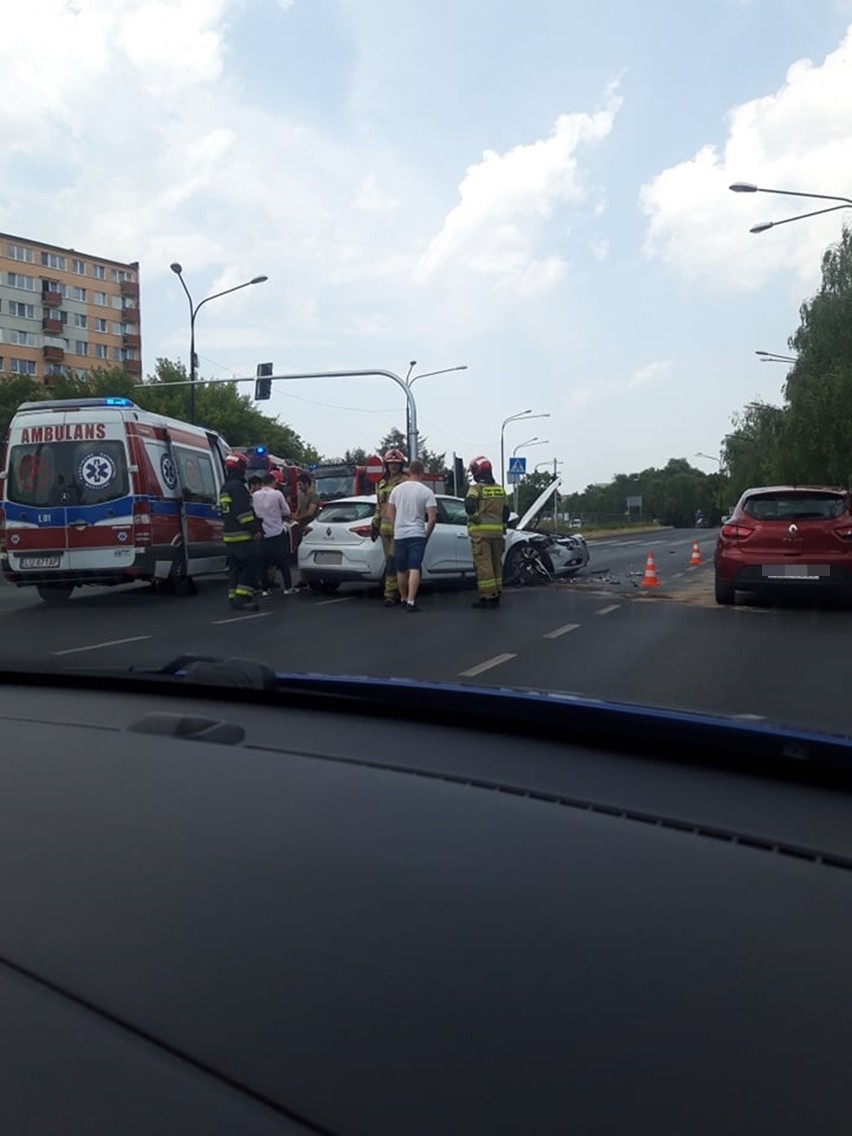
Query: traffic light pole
412,405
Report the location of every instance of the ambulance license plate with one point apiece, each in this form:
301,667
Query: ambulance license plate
39,562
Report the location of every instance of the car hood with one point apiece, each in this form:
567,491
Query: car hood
532,513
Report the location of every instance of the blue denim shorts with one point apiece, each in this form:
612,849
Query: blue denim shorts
409,553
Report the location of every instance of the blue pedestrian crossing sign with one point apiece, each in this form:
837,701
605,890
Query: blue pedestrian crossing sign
517,470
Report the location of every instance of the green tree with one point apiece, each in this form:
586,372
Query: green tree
15,389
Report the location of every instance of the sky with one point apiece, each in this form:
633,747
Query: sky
536,191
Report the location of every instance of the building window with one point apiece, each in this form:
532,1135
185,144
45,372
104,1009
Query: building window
101,351
81,347
80,320
22,366
100,298
22,311
22,338
99,272
53,260
16,280
79,266
18,252
101,324
117,303
120,275
54,286
78,293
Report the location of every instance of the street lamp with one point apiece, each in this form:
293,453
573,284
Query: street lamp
709,457
529,443
748,187
410,381
771,357
521,445
526,414
193,312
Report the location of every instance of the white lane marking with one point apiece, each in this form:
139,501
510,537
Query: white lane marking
97,646
676,575
241,618
325,603
606,610
472,672
561,631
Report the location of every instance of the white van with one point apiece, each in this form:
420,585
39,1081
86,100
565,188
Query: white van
99,491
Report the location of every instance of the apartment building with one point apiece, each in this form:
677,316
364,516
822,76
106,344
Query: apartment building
63,310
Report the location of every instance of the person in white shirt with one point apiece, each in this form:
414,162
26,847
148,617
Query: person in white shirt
412,510
273,512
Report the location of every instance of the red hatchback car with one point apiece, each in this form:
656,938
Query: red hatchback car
783,536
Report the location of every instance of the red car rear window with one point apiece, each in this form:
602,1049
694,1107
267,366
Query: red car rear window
795,506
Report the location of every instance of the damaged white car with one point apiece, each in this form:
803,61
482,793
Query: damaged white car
336,547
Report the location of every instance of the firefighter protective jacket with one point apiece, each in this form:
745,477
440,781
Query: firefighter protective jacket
239,521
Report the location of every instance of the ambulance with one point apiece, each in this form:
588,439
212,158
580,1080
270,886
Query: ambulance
99,491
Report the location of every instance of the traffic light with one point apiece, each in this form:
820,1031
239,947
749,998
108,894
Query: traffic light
459,477
263,382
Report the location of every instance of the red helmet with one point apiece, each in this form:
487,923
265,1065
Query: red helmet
479,467
236,460
395,456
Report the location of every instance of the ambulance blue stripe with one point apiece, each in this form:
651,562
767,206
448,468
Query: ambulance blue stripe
48,518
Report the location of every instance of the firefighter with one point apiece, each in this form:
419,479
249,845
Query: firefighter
242,533
487,514
381,525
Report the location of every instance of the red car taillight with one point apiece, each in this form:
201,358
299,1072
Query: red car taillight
141,522
736,532
845,533
361,530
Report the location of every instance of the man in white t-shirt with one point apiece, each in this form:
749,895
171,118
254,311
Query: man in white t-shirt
412,510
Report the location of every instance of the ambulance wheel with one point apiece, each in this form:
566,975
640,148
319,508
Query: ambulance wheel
55,594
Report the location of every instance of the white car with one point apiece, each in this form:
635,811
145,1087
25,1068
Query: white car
336,547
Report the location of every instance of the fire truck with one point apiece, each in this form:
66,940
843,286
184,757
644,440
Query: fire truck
346,479
260,460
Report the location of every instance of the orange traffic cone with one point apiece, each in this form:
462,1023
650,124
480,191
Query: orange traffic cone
650,580
696,554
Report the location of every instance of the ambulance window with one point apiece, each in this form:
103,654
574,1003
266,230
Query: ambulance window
32,475
196,475
62,473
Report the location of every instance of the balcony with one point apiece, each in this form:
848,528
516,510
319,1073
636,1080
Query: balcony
53,354
52,325
131,339
130,315
51,299
129,288
133,366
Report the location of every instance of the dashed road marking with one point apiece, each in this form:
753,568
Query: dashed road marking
97,646
561,631
241,618
472,672
606,610
340,599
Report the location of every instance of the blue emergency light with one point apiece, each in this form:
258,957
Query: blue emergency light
114,401
260,449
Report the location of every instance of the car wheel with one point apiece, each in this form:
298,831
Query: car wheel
324,587
526,566
724,592
55,594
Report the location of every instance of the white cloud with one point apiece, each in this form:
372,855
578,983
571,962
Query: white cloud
651,373
370,198
796,138
506,200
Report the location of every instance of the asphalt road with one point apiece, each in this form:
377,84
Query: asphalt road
602,635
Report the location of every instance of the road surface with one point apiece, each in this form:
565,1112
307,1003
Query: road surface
602,635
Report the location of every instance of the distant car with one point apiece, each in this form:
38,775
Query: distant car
336,547
791,537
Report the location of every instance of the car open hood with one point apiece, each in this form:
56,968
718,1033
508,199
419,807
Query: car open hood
533,511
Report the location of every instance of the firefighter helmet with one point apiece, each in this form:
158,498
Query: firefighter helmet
394,456
479,467
236,461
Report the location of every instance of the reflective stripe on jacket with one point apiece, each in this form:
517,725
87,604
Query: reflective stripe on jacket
380,522
490,502
239,522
